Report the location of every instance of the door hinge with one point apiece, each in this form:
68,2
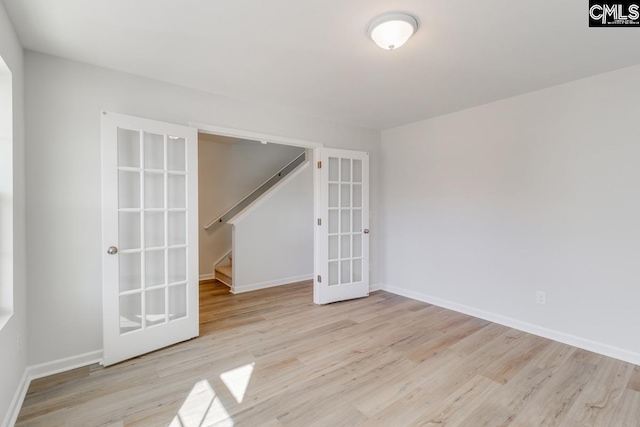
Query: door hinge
319,165
319,278
319,221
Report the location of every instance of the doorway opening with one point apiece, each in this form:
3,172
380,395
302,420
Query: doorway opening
256,211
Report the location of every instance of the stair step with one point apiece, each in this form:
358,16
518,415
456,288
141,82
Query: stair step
224,273
227,270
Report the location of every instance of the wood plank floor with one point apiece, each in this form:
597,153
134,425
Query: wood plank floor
272,358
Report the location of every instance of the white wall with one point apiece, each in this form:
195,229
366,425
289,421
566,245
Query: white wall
484,207
13,359
227,172
273,238
64,100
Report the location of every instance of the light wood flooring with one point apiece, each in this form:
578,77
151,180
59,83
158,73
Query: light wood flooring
272,358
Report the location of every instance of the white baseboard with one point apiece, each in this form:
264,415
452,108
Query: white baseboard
63,365
44,370
375,287
270,284
16,403
569,339
204,277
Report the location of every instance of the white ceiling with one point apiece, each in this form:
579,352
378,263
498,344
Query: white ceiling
313,55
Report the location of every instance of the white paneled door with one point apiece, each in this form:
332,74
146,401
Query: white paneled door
342,238
149,235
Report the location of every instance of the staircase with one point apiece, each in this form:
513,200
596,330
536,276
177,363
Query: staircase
224,270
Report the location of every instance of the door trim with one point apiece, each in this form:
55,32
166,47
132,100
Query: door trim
256,136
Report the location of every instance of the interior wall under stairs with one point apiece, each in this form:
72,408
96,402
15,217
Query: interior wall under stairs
273,243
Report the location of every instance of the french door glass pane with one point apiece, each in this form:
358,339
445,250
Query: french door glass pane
153,151
333,247
176,151
357,170
333,169
345,271
357,270
334,225
155,306
345,221
177,228
333,195
177,265
357,220
128,148
153,190
345,196
130,269
129,230
357,245
333,273
177,191
128,189
154,268
345,170
177,301
154,229
130,312
345,246
357,196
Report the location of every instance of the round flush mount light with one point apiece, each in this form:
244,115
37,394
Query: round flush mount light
392,30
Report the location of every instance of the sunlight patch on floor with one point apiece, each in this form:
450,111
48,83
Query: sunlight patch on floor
237,380
202,407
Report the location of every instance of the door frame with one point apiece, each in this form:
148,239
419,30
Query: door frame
314,147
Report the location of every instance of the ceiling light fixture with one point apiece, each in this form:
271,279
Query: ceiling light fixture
391,30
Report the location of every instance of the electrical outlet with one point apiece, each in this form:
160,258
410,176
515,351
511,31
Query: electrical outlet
541,297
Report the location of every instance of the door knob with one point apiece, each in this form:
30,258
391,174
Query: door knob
112,250
366,231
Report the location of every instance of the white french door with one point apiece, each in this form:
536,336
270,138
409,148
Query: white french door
149,235
342,237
